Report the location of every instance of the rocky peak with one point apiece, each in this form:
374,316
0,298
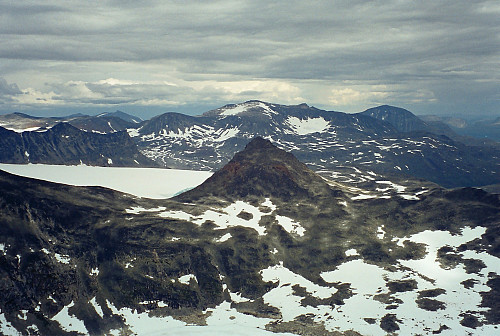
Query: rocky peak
262,170
259,143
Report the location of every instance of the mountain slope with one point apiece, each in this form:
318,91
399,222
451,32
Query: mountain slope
403,120
65,144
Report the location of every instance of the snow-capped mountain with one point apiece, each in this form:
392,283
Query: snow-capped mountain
325,141
265,245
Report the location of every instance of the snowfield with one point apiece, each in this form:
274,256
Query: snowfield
142,182
308,126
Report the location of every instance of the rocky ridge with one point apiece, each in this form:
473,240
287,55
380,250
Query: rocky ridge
68,145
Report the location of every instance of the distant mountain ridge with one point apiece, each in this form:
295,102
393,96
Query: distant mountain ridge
66,144
402,119
326,141
108,122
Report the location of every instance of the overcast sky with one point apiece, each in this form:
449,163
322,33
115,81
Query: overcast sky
431,57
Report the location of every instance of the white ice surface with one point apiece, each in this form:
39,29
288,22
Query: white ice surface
143,182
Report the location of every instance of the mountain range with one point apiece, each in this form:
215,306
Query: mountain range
264,244
484,128
385,140
65,144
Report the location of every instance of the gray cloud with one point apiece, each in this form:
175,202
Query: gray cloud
8,91
447,49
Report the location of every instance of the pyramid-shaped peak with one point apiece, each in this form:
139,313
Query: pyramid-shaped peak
262,170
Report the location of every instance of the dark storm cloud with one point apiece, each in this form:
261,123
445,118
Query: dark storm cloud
408,45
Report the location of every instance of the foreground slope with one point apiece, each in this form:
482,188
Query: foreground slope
265,244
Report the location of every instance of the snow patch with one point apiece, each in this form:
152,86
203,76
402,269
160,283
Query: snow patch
283,297
308,126
97,308
223,238
185,279
64,259
398,188
69,322
236,297
137,210
239,108
363,197
223,218
6,327
351,253
367,281
380,232
133,132
290,225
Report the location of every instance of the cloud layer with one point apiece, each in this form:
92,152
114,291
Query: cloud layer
344,55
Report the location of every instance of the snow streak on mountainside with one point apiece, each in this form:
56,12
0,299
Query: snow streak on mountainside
385,140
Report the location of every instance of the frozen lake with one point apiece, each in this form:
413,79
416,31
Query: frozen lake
143,182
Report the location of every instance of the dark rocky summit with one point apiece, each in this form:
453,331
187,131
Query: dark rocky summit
263,170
